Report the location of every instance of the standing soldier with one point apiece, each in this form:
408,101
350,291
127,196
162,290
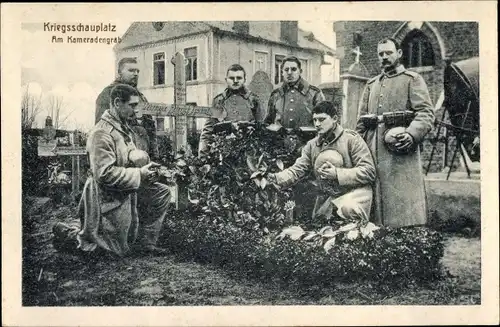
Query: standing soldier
236,103
395,115
291,104
128,73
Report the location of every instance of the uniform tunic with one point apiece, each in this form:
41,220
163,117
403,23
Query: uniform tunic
400,198
353,189
235,105
291,106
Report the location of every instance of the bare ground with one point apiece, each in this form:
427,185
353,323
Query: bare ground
55,279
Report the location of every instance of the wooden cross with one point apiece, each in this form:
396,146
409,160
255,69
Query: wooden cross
74,151
357,53
180,111
260,61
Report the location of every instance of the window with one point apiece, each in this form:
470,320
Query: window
191,55
417,50
260,63
159,68
278,65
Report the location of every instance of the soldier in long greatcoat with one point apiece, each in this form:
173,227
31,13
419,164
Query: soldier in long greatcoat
236,103
402,97
122,206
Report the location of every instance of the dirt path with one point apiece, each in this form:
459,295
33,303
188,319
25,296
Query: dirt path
55,279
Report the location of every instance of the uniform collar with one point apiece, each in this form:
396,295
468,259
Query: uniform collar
301,85
330,136
394,72
243,91
111,118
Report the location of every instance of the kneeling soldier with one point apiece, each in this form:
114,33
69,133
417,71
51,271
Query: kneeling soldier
341,161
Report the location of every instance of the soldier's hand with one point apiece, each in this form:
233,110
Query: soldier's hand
271,178
328,171
405,141
149,173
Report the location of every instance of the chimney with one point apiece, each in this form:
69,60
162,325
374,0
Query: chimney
241,27
289,31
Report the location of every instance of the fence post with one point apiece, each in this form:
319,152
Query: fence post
353,85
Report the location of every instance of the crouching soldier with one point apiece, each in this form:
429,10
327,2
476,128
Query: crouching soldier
341,162
122,205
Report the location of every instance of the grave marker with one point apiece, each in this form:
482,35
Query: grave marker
261,85
47,147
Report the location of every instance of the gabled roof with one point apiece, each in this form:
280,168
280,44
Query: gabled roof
141,33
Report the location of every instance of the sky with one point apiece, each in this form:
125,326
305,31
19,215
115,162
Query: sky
78,72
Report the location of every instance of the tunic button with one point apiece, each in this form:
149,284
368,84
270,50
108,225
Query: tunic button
293,91
291,109
291,100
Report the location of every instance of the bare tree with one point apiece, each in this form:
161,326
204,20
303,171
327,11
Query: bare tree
31,106
55,111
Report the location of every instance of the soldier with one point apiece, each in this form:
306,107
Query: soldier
122,205
128,73
342,164
291,104
395,115
236,103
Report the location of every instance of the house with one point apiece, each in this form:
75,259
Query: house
426,46
210,48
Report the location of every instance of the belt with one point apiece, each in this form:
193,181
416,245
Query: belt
389,119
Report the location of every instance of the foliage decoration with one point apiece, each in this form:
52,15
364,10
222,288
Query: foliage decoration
237,219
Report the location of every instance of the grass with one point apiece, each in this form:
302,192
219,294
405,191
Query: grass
56,279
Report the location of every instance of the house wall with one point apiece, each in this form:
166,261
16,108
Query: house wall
232,50
196,90
455,40
199,91
215,54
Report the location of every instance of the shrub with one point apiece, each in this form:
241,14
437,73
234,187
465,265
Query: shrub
236,219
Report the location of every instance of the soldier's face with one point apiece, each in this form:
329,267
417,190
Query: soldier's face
127,110
324,122
235,79
388,56
129,74
291,72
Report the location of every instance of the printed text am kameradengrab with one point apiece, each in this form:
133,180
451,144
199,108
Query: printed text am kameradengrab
63,28
72,39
